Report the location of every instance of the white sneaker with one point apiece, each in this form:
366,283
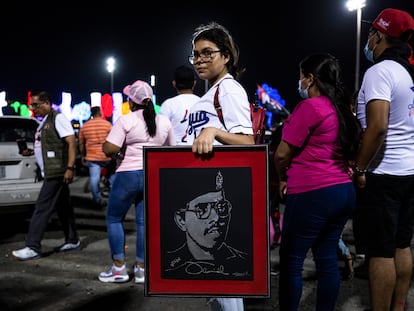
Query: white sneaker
25,254
139,274
114,275
68,247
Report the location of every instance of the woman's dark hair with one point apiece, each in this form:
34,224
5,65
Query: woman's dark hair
149,115
328,78
218,34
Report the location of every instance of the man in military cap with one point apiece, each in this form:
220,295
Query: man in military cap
205,254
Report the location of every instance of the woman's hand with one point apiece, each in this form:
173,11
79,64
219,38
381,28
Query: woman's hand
282,189
27,152
204,142
360,180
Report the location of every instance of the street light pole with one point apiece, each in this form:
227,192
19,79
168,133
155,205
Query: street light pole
352,6
358,48
110,66
112,82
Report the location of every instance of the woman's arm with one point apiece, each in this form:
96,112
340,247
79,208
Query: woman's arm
204,142
110,149
283,157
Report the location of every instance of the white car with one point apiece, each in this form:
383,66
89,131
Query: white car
20,180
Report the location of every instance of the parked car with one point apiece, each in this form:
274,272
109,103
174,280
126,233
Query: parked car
20,181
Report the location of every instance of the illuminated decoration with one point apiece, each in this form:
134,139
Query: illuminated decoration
65,106
154,101
56,107
106,106
154,97
125,108
24,111
270,99
16,106
20,109
117,106
96,99
81,112
157,108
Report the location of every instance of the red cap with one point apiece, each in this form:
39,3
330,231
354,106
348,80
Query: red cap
394,23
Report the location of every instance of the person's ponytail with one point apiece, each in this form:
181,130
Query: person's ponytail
149,117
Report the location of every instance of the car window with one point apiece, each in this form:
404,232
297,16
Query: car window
13,129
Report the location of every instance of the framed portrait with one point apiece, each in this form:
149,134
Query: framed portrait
207,222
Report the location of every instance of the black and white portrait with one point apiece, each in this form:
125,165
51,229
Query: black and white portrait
206,223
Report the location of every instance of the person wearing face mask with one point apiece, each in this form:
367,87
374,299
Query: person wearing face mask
384,168
319,141
303,93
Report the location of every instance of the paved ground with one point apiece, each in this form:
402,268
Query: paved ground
68,281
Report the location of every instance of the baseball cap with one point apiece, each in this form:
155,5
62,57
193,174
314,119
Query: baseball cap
394,23
138,91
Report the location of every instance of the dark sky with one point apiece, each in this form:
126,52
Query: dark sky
65,48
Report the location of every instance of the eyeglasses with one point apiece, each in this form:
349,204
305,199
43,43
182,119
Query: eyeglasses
204,55
203,210
34,105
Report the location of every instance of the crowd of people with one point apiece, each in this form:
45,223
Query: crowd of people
341,156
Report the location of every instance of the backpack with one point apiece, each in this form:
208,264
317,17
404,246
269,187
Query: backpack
257,115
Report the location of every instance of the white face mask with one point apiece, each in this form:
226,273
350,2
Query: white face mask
303,92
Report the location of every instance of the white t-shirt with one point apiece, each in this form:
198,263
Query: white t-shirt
235,106
177,109
133,126
388,80
63,127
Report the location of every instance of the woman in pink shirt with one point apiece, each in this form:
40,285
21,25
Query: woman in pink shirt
141,127
319,140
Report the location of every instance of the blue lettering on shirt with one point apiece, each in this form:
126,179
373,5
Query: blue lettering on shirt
196,121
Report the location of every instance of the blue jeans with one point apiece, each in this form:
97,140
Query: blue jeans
95,168
128,189
313,220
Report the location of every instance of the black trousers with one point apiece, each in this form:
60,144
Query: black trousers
54,196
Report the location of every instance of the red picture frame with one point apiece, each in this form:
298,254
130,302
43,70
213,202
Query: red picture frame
175,183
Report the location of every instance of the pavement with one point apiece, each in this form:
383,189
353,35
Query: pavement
68,281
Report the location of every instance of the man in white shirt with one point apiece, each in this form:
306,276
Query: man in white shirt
177,108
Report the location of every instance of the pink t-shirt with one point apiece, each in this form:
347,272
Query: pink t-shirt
133,126
313,128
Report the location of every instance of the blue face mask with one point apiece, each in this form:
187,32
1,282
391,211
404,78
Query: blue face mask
369,54
303,92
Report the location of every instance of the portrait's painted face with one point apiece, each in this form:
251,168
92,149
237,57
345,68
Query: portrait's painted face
207,218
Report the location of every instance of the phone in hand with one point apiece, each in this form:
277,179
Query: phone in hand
22,144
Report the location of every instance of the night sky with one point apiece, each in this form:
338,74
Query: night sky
41,48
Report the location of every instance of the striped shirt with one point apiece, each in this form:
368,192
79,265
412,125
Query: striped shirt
93,134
